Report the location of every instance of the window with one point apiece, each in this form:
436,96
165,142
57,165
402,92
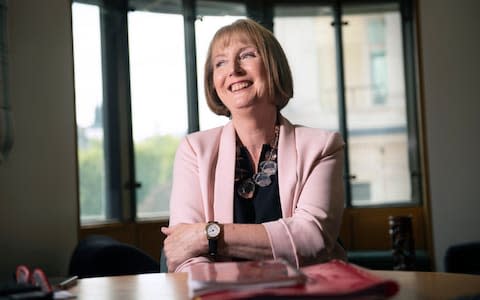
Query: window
158,80
361,191
89,111
378,64
129,177
139,90
373,84
312,60
376,104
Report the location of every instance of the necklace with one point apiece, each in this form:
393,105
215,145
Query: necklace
267,168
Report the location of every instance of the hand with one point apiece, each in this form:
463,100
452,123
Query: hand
184,241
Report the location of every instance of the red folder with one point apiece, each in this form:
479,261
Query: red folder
334,279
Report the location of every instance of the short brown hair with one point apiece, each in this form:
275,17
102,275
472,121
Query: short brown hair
279,81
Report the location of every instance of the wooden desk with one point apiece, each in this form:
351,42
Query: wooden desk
413,285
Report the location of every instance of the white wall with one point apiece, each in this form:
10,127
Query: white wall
450,32
38,206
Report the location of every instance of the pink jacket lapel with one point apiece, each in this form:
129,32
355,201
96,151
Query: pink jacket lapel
287,167
225,170
224,176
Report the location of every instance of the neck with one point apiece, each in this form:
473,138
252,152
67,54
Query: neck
253,132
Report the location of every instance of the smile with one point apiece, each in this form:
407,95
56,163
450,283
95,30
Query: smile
240,85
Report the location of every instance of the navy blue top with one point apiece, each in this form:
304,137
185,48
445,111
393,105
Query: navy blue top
264,206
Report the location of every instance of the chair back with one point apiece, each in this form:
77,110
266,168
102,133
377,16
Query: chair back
463,258
99,255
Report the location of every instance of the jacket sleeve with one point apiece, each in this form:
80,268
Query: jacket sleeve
185,200
310,234
186,205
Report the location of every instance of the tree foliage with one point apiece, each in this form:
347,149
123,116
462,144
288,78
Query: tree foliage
153,168
91,179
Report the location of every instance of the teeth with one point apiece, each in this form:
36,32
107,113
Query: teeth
238,86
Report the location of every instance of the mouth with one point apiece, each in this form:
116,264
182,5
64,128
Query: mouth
240,86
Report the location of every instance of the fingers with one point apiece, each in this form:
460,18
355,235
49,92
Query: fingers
182,242
171,244
171,267
166,230
173,257
169,230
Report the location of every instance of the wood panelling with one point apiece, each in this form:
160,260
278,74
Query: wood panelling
123,232
368,228
150,238
362,229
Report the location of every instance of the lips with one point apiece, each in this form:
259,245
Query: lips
240,85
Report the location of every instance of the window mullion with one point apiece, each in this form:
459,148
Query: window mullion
411,99
342,111
189,16
260,11
116,95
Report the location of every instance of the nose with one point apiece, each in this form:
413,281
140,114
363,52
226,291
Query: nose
235,68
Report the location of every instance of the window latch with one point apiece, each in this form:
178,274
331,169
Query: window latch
132,185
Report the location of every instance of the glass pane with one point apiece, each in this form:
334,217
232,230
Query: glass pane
214,15
159,104
376,106
311,55
89,99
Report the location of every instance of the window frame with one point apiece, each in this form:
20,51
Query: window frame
117,113
411,90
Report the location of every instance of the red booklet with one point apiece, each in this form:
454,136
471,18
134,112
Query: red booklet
323,281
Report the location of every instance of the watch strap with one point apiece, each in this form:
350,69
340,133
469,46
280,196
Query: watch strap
212,247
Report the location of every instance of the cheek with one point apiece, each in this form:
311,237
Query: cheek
261,82
260,74
217,81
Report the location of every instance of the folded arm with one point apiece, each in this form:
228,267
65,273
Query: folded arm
188,243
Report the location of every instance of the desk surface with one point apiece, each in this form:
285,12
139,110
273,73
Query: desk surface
413,285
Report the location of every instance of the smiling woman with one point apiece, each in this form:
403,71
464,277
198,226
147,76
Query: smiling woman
264,183
374,108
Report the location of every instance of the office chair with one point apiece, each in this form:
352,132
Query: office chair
463,258
99,255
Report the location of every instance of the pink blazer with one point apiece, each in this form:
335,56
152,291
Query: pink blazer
310,172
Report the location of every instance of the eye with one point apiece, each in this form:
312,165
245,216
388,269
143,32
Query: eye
219,63
248,54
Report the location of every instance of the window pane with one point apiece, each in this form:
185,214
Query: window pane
159,104
376,110
214,15
88,99
311,55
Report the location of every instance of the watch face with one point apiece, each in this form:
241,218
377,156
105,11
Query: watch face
213,230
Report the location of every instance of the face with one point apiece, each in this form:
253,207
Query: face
239,76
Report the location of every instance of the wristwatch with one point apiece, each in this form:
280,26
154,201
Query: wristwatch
213,231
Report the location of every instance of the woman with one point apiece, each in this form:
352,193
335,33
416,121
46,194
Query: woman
220,209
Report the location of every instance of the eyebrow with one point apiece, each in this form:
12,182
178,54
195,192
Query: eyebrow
222,54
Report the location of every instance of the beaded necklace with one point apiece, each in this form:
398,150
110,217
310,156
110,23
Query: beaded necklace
267,167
